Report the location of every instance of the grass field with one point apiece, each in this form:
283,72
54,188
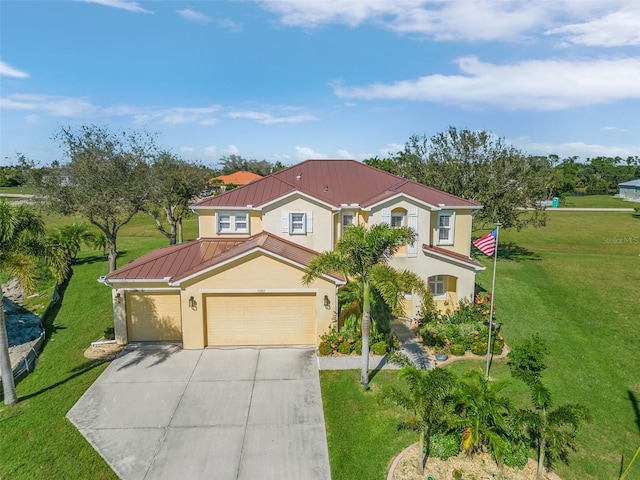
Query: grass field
595,201
575,281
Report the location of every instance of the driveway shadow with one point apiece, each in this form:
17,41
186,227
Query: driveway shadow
135,354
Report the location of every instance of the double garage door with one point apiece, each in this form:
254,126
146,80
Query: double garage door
261,319
230,319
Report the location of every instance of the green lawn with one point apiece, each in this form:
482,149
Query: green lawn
569,281
594,201
573,284
36,440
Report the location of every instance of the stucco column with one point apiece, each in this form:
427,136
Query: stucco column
118,298
193,320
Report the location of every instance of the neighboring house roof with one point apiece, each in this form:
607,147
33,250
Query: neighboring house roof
336,183
177,263
630,183
454,257
237,178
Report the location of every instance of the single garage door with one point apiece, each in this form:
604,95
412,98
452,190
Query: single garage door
261,319
153,317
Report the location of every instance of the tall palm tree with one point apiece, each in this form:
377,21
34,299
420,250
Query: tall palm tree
552,431
22,240
430,402
363,254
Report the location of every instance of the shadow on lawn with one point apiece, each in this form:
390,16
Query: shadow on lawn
511,251
75,372
51,314
636,406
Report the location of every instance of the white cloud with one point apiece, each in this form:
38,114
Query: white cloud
210,151
306,153
229,25
232,150
56,106
7,70
391,149
473,20
579,149
531,85
192,15
269,119
344,154
122,4
620,28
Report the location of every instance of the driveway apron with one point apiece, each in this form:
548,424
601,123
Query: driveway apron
160,412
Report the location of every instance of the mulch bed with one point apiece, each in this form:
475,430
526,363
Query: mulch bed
478,467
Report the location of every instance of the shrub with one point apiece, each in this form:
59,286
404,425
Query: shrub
357,347
479,348
457,349
516,456
497,346
445,445
379,348
109,333
324,348
344,348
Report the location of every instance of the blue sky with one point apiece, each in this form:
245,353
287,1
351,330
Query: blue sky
289,81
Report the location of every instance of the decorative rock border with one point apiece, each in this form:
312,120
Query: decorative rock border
398,459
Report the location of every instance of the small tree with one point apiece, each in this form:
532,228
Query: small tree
106,180
71,238
552,431
428,398
175,183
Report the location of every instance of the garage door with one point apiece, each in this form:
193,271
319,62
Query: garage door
153,317
263,319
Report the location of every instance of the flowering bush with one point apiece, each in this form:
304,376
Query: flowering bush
464,327
349,341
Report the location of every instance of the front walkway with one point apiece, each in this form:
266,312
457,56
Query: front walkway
160,412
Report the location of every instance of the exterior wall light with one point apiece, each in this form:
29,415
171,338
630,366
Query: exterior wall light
118,298
192,303
327,302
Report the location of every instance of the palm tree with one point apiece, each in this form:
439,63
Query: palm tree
483,414
72,237
430,402
22,240
362,254
553,432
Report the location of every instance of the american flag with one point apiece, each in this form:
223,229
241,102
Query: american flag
487,244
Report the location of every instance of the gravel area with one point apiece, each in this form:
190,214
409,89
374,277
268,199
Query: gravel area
477,467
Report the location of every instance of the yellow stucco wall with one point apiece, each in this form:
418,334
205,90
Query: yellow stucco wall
257,273
463,220
319,240
207,224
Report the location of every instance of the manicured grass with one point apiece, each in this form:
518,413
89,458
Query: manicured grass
577,287
9,190
363,435
36,440
594,201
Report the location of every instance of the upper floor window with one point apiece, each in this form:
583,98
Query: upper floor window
398,218
297,224
445,228
232,222
437,285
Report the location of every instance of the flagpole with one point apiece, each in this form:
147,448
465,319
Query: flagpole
493,295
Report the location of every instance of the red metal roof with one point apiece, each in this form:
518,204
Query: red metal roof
453,256
335,182
178,262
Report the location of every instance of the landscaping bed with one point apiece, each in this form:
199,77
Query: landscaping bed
478,467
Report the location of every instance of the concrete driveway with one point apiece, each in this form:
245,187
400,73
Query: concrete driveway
162,412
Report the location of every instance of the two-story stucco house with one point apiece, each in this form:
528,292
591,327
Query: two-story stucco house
240,283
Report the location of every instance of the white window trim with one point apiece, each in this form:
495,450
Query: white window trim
232,215
437,280
452,219
353,216
303,221
403,217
